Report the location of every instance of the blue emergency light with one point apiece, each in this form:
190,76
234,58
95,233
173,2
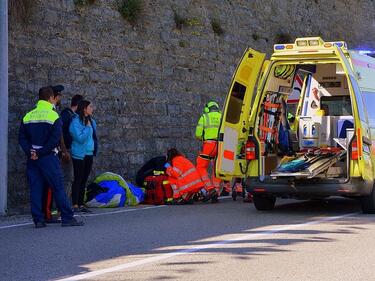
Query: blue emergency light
279,47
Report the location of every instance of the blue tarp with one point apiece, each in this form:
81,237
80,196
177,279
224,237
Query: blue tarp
118,192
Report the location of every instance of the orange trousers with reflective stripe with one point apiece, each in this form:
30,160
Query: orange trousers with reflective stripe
206,157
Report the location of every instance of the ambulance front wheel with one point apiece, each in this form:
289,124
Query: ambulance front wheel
264,202
368,203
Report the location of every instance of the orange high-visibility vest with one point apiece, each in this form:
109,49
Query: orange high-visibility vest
183,177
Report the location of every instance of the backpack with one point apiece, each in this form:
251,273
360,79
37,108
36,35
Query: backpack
149,168
158,190
66,118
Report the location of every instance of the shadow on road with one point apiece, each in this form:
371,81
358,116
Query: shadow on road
65,252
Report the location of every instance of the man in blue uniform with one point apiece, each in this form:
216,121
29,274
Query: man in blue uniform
39,136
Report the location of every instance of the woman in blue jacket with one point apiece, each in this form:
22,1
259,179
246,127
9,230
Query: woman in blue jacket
84,147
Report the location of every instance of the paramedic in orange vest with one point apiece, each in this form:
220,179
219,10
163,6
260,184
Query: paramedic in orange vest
183,177
207,131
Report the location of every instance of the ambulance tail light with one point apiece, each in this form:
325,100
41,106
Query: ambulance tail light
250,150
357,145
354,149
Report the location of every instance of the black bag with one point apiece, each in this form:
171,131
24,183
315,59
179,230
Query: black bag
94,189
148,169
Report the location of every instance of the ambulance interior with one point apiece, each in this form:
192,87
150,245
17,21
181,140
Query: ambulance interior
305,122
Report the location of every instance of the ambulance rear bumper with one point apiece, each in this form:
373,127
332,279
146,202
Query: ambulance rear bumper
309,188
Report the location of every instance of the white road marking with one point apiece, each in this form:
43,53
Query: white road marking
15,225
164,256
90,215
99,214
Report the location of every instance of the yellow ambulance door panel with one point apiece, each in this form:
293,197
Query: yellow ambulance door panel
235,120
360,119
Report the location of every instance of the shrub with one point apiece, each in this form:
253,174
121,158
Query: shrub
283,38
216,27
130,9
179,20
255,36
83,2
182,44
21,10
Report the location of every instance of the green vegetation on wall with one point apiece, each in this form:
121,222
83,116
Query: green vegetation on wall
84,2
216,26
20,10
130,9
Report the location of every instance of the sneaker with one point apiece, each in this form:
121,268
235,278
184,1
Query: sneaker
76,210
73,222
39,224
85,210
54,220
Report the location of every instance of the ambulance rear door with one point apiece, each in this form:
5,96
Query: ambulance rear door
362,130
234,129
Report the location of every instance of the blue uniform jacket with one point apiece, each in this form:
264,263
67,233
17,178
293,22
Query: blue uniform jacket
84,140
40,130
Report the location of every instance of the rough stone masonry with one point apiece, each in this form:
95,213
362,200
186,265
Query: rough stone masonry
150,80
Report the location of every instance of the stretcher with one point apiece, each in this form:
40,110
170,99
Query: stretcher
315,165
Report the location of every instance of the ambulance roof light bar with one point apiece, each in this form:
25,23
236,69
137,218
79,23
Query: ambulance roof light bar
311,43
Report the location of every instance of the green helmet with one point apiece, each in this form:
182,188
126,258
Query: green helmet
211,104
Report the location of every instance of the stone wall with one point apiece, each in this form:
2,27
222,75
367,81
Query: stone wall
149,81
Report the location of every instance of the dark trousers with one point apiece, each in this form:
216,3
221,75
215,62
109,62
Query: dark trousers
82,170
40,173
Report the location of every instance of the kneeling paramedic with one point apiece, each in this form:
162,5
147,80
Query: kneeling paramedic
207,131
183,177
39,136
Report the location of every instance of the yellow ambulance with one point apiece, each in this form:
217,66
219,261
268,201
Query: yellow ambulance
301,124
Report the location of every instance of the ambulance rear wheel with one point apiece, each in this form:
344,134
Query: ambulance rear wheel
368,203
264,202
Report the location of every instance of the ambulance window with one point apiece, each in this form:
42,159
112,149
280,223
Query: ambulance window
358,98
235,103
369,99
337,105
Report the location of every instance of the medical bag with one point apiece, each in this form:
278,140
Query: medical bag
158,190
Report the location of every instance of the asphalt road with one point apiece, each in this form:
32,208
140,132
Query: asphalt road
299,240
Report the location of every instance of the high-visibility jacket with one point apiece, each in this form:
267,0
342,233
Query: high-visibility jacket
41,129
208,126
183,177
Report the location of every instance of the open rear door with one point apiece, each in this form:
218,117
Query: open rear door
362,131
235,121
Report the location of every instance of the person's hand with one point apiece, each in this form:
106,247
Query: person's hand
167,165
33,154
65,157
